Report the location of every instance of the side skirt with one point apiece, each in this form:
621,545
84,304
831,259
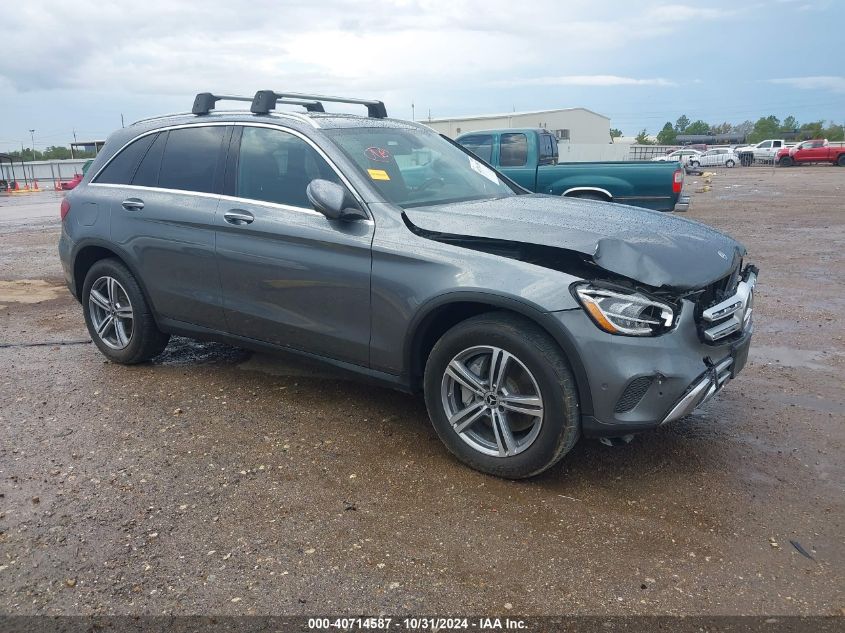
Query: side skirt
198,332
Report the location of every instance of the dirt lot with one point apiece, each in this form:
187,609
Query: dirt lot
218,481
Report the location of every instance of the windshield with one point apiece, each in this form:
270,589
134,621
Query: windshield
413,168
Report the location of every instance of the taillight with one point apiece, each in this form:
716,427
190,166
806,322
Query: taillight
63,211
678,181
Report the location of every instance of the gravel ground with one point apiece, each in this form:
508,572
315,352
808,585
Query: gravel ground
215,480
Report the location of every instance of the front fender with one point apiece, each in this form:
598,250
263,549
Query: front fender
428,312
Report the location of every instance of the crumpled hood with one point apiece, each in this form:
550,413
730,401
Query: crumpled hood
651,247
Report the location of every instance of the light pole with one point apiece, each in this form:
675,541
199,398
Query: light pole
32,137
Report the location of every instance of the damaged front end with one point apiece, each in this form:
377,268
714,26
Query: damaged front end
666,321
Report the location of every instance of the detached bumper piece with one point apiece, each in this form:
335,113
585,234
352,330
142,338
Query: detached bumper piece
734,313
704,388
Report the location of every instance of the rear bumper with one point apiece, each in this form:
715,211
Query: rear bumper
65,257
683,203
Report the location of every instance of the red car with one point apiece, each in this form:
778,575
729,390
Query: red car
70,184
815,151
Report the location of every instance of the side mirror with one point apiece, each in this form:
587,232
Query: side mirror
333,201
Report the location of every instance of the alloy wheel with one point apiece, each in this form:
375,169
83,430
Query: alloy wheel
492,401
111,312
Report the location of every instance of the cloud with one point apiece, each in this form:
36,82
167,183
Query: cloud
403,46
821,82
591,80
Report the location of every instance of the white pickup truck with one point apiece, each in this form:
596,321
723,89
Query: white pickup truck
764,151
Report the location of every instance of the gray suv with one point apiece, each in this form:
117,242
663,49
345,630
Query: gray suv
383,248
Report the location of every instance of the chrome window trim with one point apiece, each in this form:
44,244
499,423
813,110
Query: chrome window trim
216,196
273,126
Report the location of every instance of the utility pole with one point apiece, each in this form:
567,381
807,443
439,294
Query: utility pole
121,125
412,111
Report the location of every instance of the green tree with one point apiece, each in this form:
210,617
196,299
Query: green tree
681,124
790,124
813,129
643,139
722,128
667,136
834,132
698,127
765,127
615,133
745,128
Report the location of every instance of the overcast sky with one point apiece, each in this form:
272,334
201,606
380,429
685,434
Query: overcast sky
79,65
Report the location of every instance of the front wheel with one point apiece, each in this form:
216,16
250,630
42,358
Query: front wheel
841,160
729,163
501,396
786,161
694,163
119,320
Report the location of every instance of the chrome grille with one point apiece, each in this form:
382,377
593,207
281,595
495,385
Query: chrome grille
731,315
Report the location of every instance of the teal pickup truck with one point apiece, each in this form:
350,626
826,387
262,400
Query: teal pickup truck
529,158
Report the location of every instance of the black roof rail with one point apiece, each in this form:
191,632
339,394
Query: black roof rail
266,100
205,102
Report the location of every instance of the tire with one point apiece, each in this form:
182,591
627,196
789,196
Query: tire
131,336
521,444
729,164
695,164
786,161
841,160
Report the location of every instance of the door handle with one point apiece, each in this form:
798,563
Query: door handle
238,217
133,204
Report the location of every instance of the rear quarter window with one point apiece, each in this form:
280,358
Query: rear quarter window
121,168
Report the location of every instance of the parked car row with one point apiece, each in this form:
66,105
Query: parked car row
768,151
716,157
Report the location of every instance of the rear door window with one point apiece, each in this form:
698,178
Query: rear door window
513,150
121,168
481,145
190,158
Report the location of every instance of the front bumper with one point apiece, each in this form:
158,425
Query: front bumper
638,383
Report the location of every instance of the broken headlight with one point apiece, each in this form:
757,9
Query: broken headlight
625,312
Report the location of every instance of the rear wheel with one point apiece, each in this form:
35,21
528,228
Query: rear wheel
117,315
501,396
694,163
841,160
786,161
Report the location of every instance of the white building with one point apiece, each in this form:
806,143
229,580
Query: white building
573,125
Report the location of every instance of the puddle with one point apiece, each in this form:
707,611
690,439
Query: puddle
29,291
182,351
789,357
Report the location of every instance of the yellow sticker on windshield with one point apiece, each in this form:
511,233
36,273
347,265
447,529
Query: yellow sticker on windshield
378,174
